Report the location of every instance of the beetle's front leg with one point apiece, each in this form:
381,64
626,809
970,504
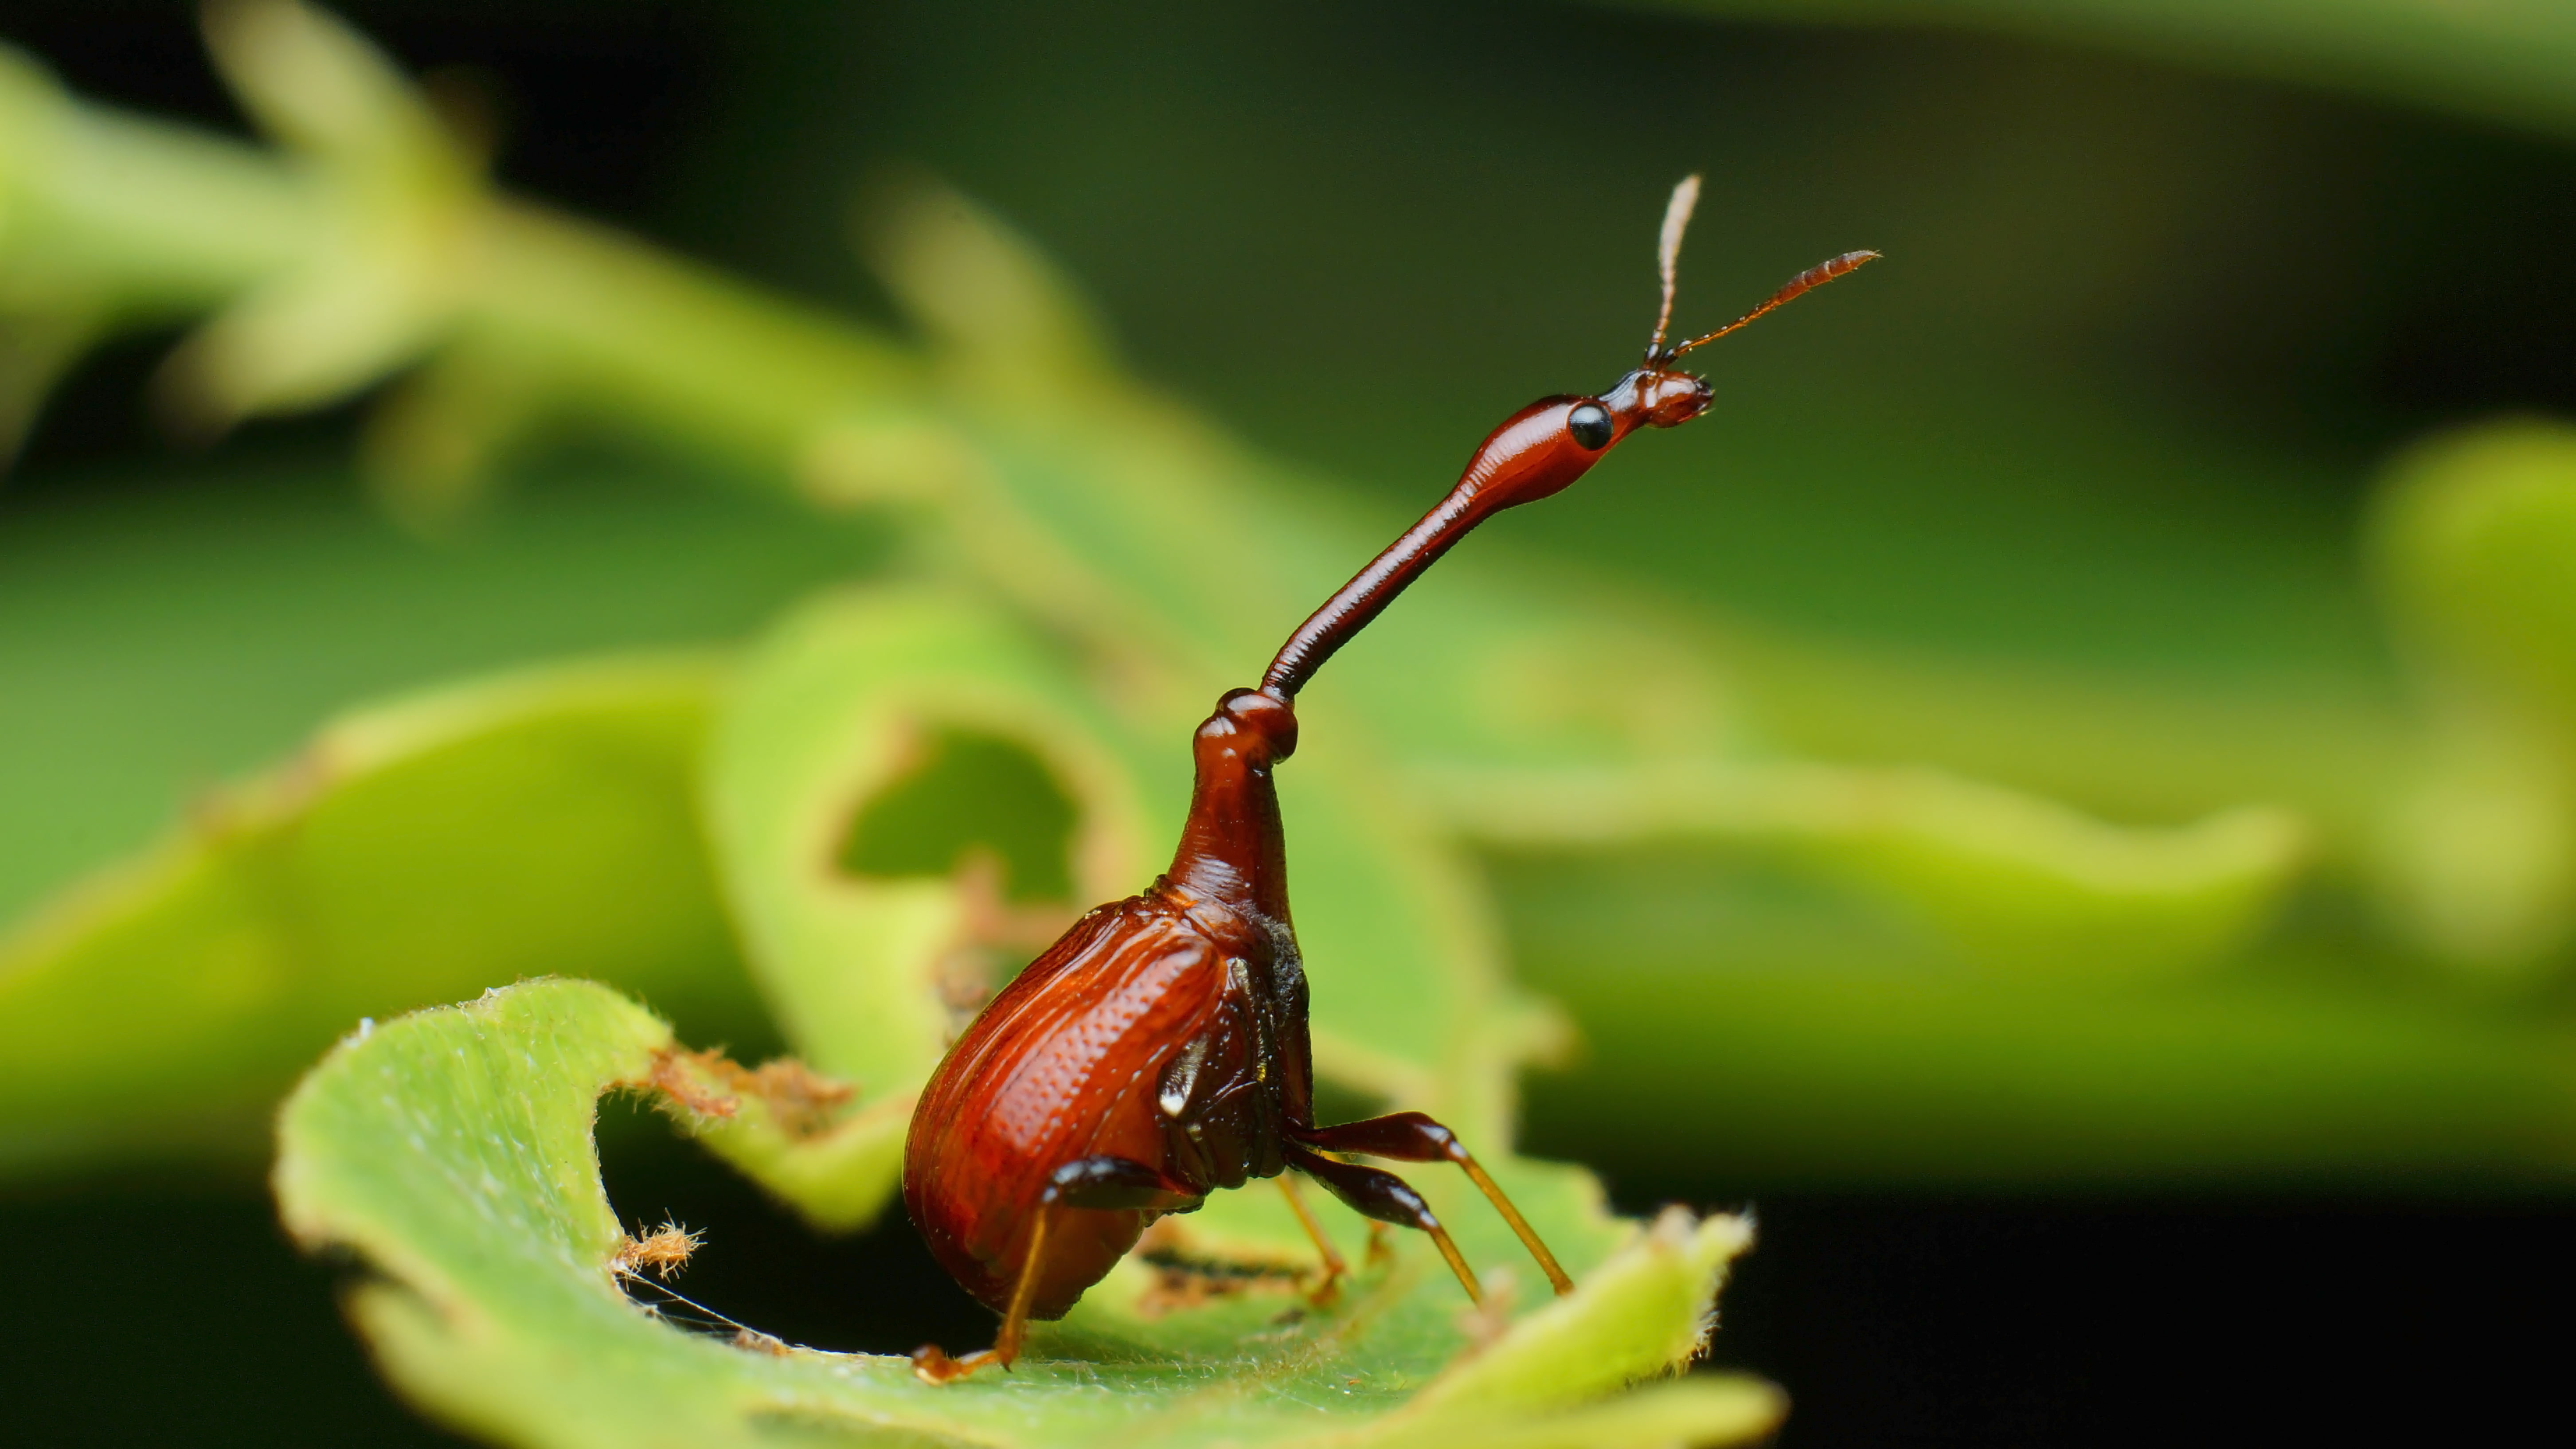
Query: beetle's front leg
1109,1184
1413,1137
1387,1198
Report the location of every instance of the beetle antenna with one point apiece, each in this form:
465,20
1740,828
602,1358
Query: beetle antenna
1806,281
1479,495
1668,253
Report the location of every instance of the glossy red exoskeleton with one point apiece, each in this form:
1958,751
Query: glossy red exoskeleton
1158,1050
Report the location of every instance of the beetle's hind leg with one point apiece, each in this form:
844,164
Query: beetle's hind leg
1387,1198
931,1363
1107,1183
1413,1137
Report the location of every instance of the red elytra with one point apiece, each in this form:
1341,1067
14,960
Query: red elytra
1157,1052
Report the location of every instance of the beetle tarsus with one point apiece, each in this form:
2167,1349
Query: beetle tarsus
1457,1263
932,1365
1381,1245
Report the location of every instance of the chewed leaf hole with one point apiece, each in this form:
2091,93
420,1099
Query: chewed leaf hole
753,1270
968,795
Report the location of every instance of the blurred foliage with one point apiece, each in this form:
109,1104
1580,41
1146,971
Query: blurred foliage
2508,59
414,852
1085,501
2190,874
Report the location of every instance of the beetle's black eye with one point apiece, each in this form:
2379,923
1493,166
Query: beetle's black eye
1590,425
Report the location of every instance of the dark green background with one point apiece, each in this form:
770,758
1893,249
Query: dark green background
2111,406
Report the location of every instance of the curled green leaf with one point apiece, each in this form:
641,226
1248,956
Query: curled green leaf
2015,881
451,1151
873,960
415,852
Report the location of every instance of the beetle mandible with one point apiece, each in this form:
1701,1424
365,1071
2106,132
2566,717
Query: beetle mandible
1158,1050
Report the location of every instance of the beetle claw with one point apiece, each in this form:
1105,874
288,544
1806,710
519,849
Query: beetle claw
932,1365
1327,1291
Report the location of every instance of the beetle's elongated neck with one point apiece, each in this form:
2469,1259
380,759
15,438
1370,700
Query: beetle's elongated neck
1527,458
1368,593
1232,848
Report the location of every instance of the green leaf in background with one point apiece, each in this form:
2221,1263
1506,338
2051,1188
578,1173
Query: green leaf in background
452,1150
414,852
1511,709
840,710
1126,522
1848,1079
2015,883
2505,59
872,972
2474,543
160,637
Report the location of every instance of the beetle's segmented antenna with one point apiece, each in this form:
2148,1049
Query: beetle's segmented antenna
1668,253
1806,281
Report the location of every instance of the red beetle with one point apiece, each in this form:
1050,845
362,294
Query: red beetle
1158,1051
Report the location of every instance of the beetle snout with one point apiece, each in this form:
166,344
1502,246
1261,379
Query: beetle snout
1660,397
1670,399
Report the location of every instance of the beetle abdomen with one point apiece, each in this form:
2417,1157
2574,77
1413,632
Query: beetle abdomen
1063,1065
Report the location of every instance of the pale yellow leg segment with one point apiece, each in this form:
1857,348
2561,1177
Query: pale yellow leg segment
1520,1225
1334,1268
1457,1263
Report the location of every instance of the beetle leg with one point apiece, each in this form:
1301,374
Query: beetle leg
1413,1137
1116,1183
931,1363
1334,1268
1385,1197
1105,1183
